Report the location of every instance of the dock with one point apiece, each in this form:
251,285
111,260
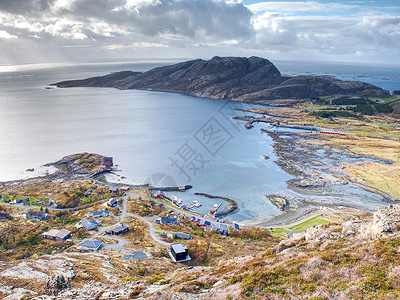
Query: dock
181,188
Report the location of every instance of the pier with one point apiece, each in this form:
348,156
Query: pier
181,188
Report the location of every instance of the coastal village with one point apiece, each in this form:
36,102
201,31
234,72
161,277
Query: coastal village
116,209
137,241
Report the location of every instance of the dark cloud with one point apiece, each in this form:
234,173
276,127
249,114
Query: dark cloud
25,7
195,26
201,19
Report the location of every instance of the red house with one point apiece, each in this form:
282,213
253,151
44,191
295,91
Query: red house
113,190
108,160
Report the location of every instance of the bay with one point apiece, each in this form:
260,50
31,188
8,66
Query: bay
152,136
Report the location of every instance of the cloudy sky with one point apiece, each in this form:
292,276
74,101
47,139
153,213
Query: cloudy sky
70,30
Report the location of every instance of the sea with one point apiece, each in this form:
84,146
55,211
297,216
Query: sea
157,138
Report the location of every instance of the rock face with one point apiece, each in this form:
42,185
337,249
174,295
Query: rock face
252,80
385,223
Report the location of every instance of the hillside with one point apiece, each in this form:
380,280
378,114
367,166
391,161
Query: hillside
252,80
359,259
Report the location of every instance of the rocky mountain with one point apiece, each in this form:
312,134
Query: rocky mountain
252,80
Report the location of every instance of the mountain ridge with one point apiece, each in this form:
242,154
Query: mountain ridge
251,80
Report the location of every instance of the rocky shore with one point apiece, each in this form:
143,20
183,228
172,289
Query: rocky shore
318,179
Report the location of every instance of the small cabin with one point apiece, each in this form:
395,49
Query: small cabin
167,220
57,235
99,214
112,202
118,229
179,252
113,190
36,215
90,245
88,224
108,160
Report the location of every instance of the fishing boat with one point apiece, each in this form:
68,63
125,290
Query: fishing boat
177,200
196,203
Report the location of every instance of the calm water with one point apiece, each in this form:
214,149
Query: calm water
155,137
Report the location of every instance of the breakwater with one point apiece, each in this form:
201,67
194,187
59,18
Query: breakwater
229,209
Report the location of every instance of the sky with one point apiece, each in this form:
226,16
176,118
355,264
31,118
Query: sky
39,31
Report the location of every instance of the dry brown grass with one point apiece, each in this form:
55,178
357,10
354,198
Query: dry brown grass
143,207
68,193
89,162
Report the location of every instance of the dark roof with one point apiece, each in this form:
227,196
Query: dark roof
89,225
90,244
120,228
100,213
169,219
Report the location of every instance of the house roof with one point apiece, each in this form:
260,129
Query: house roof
169,219
90,244
100,212
61,234
178,248
89,225
120,227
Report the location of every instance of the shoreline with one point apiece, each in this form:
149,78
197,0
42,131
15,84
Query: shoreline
296,155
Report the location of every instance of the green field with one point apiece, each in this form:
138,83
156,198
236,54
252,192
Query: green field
386,100
302,226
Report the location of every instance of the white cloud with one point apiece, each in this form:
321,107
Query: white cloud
291,7
5,35
135,45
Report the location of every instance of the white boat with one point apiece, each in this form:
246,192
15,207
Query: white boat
177,200
196,203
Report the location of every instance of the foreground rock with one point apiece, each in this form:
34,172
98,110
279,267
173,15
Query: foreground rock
252,80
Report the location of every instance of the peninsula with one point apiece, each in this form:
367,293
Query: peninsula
252,80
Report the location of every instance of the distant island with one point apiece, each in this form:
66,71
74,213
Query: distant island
252,80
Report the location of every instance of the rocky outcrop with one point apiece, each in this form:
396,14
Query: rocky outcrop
280,202
252,80
384,224
55,284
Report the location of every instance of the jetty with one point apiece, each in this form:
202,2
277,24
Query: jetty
181,188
